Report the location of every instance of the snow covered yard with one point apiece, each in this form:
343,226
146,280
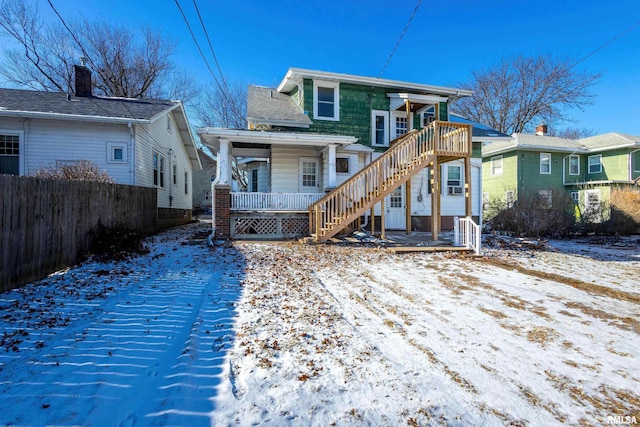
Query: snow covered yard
140,342
333,335
293,334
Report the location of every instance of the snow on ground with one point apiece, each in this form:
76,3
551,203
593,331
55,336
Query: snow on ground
135,343
293,334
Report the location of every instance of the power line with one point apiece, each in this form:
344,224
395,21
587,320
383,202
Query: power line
406,27
213,53
186,21
593,52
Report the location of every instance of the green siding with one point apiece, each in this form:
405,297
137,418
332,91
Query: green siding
530,180
444,111
496,186
356,103
615,166
635,167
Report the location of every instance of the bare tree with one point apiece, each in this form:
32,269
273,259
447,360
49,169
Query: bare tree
517,94
573,133
223,105
125,62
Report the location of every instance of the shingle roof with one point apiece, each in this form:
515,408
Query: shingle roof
267,105
527,141
18,102
611,139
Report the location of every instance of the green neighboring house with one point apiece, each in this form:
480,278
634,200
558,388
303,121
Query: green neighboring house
316,130
535,164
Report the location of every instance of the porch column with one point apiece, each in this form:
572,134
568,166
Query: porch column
331,164
467,186
408,207
223,173
435,199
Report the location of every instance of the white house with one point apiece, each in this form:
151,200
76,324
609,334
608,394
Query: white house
144,142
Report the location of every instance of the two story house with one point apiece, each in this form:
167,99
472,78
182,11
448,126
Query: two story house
586,169
330,149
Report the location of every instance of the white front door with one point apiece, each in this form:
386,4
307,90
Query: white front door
309,175
395,218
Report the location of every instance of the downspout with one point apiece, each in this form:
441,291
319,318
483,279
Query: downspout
132,154
631,164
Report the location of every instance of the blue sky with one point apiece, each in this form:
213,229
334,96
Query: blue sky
257,41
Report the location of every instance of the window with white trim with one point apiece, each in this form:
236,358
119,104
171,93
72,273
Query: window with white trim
546,198
545,163
485,201
253,181
158,169
574,165
326,100
496,165
592,200
454,180
342,165
595,163
575,196
10,154
379,128
117,152
428,116
510,198
399,124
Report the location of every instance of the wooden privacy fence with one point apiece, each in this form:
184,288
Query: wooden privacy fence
45,224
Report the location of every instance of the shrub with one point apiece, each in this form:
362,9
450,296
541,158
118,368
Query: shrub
532,216
80,170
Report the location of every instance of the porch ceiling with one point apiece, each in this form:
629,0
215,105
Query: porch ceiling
259,139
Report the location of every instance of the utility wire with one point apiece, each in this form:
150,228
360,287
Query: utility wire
213,53
186,21
406,27
593,52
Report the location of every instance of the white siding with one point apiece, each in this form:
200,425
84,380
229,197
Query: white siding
157,136
284,167
48,141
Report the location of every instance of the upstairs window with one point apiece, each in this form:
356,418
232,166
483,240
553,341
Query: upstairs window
496,165
326,97
595,163
379,128
574,165
428,116
545,163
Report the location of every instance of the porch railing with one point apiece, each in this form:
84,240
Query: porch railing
243,201
467,234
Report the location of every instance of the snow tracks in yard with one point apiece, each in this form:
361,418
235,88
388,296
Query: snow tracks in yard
331,335
150,350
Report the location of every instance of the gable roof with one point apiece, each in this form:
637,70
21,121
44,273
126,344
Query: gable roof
56,105
295,75
610,140
60,106
268,106
525,141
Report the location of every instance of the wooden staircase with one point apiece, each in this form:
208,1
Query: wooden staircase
439,141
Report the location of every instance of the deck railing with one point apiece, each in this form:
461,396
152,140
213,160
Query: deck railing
243,201
467,234
402,160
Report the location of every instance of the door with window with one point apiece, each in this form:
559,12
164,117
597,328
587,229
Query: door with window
309,175
400,124
395,218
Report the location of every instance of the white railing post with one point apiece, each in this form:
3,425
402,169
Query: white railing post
456,231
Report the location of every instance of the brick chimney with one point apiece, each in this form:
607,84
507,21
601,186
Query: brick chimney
83,81
541,130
